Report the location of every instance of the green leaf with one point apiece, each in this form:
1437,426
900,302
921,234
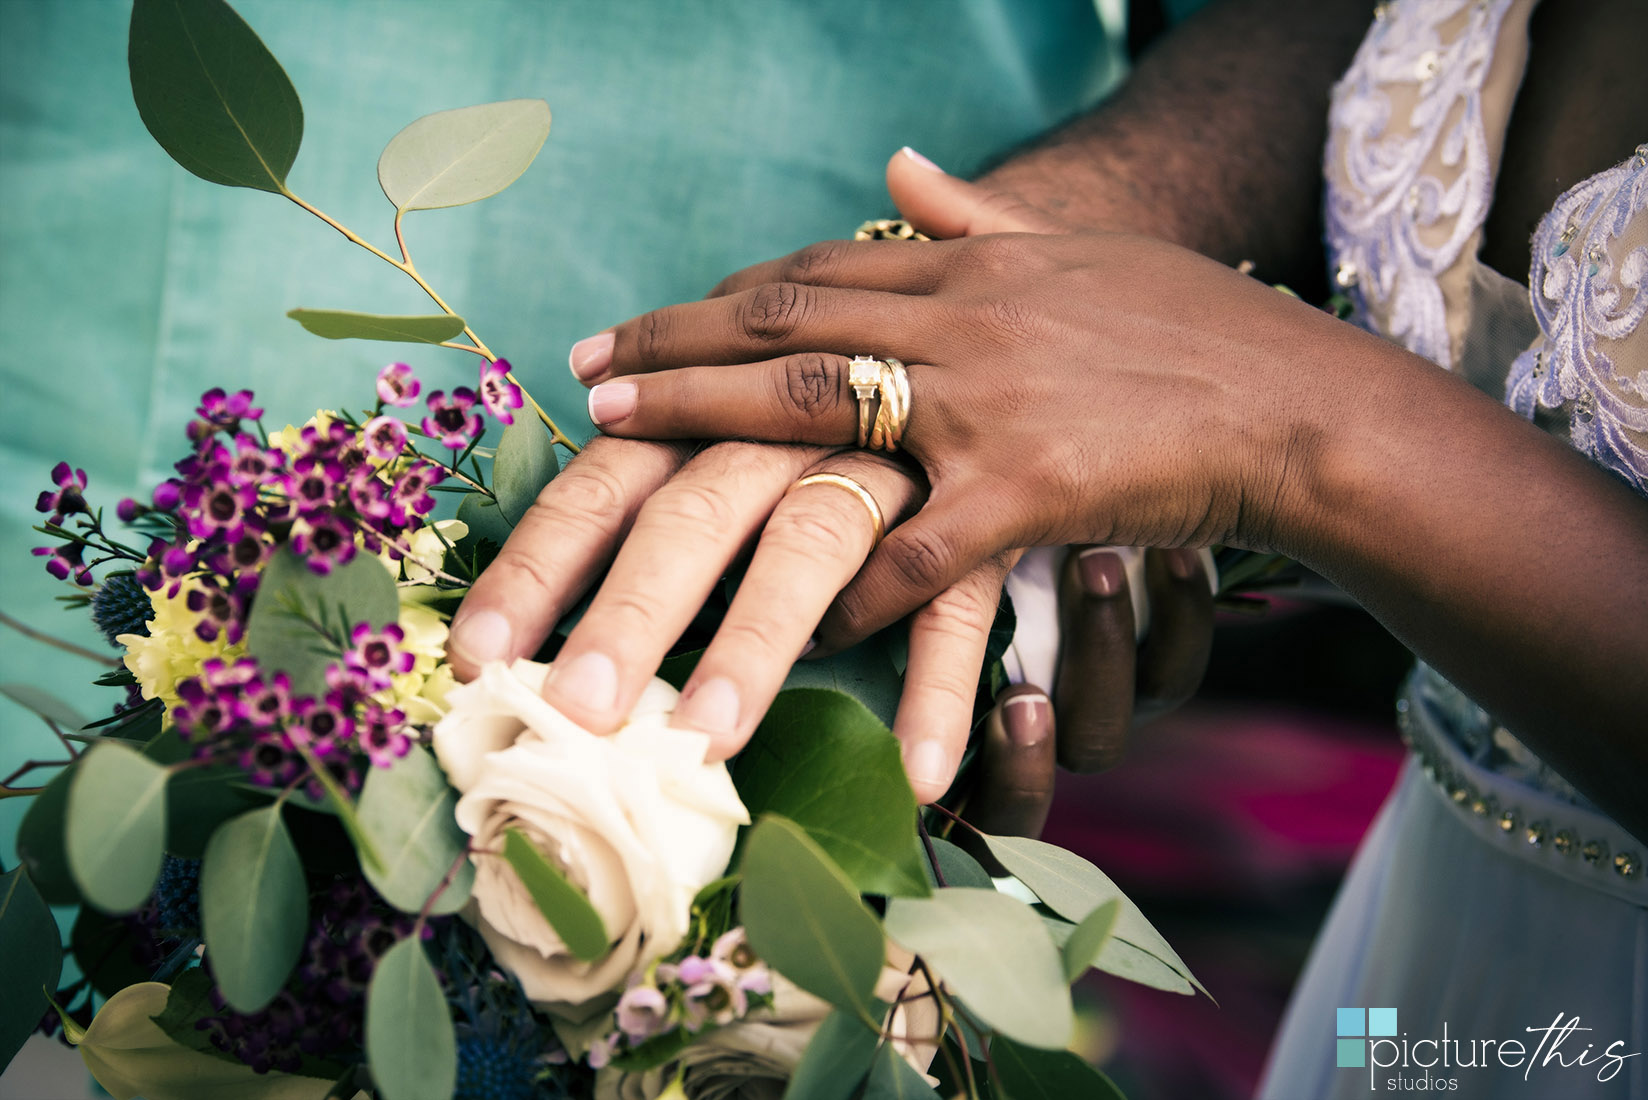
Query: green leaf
189,1002
1031,1074
826,763
655,1051
867,672
198,800
105,948
804,917
1123,960
835,1061
337,324
487,525
410,1043
465,155
563,905
525,463
40,843
29,964
959,868
212,95
406,813
892,1078
362,591
1089,938
1073,887
115,832
254,907
994,953
46,705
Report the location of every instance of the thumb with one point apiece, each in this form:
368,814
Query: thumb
944,206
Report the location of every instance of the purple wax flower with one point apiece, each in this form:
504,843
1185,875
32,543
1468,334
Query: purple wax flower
384,437
168,495
65,561
222,610
451,421
381,733
324,542
500,396
412,487
377,654
397,386
69,497
642,1013
222,412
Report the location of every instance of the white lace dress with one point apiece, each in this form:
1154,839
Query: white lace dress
1489,897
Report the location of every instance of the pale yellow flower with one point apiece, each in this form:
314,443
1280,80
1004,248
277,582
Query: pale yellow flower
172,651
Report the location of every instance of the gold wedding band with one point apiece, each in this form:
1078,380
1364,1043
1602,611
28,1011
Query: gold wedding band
864,376
889,229
842,481
887,380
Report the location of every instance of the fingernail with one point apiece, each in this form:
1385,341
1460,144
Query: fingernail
927,763
1025,719
812,644
588,681
1101,572
1184,564
712,707
921,160
610,402
591,355
481,636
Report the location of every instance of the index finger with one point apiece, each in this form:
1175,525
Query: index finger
902,267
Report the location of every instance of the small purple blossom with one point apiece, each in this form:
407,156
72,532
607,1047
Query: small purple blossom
384,438
411,490
168,495
642,1013
222,412
451,421
65,561
324,542
381,733
397,386
68,499
324,726
377,654
222,609
500,395
128,510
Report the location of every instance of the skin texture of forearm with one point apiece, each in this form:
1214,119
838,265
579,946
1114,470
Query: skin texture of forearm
1215,141
1502,557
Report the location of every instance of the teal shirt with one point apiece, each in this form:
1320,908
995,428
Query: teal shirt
690,138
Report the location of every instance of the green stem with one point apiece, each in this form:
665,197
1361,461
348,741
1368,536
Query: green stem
67,647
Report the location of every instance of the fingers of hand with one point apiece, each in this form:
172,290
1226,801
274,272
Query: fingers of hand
562,543
682,540
1096,676
899,267
1016,768
815,540
943,205
948,637
1174,656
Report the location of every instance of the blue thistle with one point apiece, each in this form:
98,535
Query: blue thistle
121,606
177,896
491,1068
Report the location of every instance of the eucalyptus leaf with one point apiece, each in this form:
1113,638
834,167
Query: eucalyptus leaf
40,843
410,1044
254,907
115,831
105,949
892,1078
959,868
406,812
1030,1074
1088,939
993,951
804,917
486,525
1123,960
835,1061
867,671
823,761
1073,887
564,906
363,591
30,963
336,324
198,800
526,461
454,157
212,94
46,705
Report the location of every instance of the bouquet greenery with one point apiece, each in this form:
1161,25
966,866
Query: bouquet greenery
301,861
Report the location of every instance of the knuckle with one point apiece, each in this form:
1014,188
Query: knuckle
820,534
919,558
762,637
812,384
516,568
652,333
814,263
625,612
774,311
593,496
1101,747
698,508
1011,320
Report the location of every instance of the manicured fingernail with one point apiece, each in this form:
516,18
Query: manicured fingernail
591,355
610,402
1184,564
1025,717
921,160
1101,572
589,681
711,707
927,763
482,636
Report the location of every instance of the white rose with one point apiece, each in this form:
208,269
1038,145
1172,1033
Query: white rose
637,820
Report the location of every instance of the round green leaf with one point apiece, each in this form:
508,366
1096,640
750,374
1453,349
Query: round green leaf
892,1078
524,464
959,868
29,964
212,94
105,949
453,157
993,951
198,800
40,842
337,324
410,1044
804,917
254,907
279,631
405,812
45,704
1030,1074
1087,941
835,1061
115,832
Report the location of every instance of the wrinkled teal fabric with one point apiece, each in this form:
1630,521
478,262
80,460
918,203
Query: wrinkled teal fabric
690,138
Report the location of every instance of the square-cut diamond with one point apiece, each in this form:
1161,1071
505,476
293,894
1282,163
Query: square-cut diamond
864,375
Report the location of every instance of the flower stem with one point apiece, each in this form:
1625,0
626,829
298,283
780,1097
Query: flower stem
67,647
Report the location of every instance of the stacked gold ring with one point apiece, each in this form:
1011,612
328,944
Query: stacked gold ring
880,428
842,481
889,229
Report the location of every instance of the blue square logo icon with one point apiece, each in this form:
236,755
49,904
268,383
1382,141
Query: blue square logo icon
1352,1053
1352,1021
1381,1021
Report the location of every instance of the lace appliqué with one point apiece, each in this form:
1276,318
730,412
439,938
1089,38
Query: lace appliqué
1391,227
1584,292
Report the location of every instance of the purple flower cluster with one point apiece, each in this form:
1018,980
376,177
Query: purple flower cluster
697,993
67,498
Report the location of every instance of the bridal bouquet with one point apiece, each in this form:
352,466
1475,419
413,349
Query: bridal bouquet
302,861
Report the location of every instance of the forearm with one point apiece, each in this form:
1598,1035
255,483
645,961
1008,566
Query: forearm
1496,553
1215,141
